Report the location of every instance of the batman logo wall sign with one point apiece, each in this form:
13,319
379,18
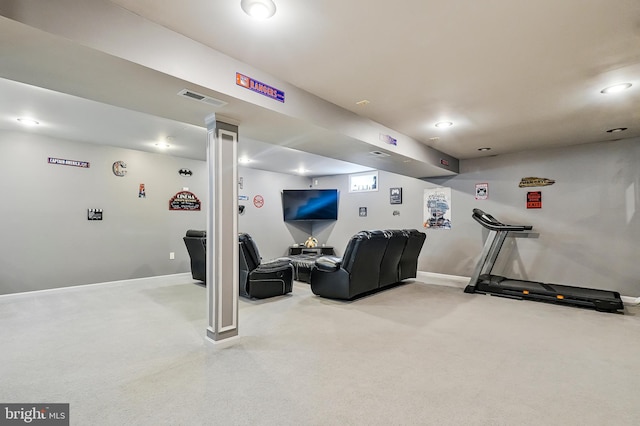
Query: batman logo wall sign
185,172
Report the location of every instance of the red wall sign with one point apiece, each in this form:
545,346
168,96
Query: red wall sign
534,200
258,201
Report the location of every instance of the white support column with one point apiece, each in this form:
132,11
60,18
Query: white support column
222,230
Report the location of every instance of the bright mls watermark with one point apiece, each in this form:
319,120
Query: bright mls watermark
34,414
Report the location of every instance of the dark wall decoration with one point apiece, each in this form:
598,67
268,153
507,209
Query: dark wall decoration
184,200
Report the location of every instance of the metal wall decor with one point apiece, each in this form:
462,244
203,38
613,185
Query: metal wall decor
63,162
527,182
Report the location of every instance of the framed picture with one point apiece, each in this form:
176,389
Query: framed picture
395,195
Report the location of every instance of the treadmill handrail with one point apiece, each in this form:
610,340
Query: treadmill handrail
494,224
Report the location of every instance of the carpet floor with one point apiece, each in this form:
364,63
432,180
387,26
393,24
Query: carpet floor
417,354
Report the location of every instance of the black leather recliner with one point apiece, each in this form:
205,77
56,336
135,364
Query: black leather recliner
371,262
196,242
356,273
261,280
408,267
389,271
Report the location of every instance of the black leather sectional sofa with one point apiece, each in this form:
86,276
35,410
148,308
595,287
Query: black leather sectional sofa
372,260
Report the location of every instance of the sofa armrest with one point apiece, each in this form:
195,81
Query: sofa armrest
328,263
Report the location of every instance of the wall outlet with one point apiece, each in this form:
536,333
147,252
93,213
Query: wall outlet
172,256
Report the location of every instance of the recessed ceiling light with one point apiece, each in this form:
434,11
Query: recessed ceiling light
444,124
616,88
301,170
434,139
244,160
363,102
617,129
162,145
28,121
484,149
258,9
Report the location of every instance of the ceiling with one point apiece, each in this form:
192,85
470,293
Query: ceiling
511,76
74,118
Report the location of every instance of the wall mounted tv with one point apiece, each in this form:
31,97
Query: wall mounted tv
310,204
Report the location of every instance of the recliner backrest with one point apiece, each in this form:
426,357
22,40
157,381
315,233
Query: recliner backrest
196,243
389,265
362,260
250,250
408,266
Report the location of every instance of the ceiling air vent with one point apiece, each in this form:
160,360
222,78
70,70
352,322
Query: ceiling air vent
202,98
379,154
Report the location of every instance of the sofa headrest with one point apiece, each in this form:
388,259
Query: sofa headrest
196,234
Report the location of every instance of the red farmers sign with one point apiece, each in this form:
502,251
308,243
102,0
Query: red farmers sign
534,200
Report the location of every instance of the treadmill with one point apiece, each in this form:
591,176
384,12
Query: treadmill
482,281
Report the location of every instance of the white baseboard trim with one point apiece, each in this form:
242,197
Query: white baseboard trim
443,279
461,282
222,344
160,279
631,301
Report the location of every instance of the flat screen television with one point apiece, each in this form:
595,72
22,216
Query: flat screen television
310,204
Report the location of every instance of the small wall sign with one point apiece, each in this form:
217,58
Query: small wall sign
388,139
258,87
184,200
362,212
185,172
527,182
142,193
119,168
258,201
534,200
395,195
63,162
482,191
94,214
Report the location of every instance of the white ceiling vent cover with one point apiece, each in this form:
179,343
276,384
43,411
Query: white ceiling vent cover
202,98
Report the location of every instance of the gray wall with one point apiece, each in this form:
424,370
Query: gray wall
48,242
588,229
272,235
589,224
379,209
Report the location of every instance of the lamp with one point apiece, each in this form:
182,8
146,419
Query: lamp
443,124
259,9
